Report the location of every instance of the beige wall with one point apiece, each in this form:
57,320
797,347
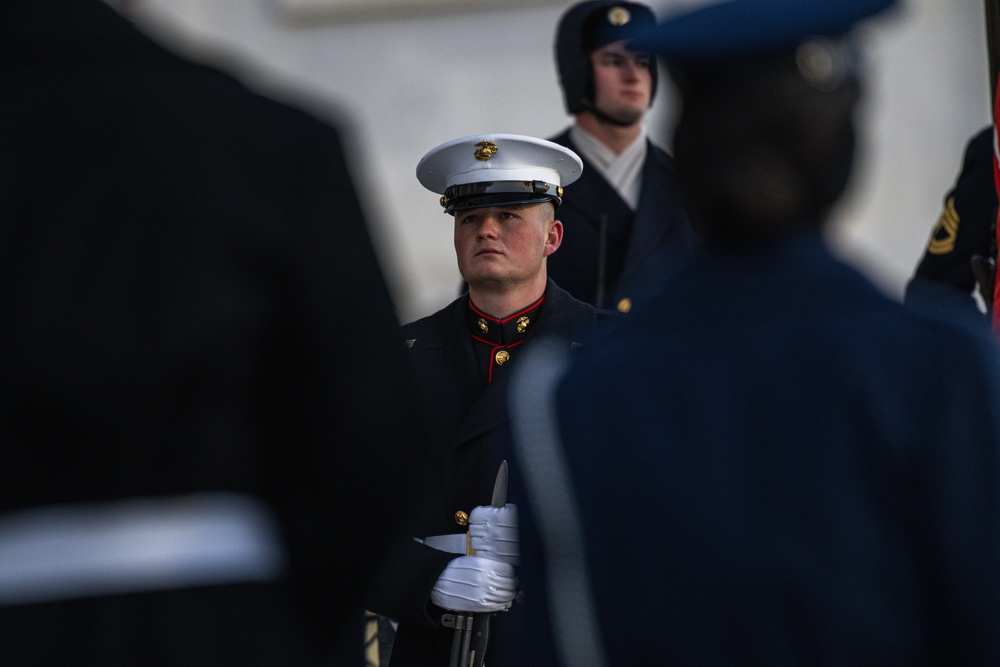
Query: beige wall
404,77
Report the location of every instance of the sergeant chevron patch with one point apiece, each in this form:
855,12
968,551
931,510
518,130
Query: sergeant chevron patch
944,235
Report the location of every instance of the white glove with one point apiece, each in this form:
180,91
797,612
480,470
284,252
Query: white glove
493,533
475,584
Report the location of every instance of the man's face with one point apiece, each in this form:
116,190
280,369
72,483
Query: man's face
623,82
504,247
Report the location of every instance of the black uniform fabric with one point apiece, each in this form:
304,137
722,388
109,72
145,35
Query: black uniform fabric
469,438
639,250
944,282
772,478
191,303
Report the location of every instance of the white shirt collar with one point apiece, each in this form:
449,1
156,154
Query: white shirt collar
623,171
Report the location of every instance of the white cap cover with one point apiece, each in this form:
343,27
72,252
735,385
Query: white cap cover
492,169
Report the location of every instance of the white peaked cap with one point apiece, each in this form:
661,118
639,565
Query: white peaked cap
498,168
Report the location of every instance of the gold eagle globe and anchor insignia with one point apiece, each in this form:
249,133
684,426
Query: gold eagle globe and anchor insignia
482,325
619,16
522,323
485,150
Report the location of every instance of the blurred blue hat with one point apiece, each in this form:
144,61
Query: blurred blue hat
747,28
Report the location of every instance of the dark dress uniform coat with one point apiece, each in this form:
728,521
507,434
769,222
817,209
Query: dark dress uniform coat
782,467
944,281
638,250
469,439
190,304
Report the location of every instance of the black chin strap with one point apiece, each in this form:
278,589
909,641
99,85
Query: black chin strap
603,117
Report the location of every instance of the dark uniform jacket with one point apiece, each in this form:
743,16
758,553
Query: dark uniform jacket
610,253
784,467
944,281
468,428
189,304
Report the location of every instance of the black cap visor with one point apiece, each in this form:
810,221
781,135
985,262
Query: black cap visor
499,193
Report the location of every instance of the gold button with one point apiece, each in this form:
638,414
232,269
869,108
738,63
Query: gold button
461,518
625,305
502,357
522,323
483,326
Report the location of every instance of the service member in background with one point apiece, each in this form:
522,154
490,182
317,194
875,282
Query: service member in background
503,191
625,228
960,258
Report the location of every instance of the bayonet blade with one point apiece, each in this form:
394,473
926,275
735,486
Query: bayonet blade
500,486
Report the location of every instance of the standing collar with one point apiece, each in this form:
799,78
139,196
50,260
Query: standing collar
502,331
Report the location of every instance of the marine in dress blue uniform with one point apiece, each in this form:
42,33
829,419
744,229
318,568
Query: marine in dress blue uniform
784,467
625,233
462,356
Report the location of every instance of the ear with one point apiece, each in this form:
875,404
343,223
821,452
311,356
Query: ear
553,237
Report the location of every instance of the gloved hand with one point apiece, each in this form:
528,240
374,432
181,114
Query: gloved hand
475,584
493,533
985,271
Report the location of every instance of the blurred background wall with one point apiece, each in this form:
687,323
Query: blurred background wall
401,76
